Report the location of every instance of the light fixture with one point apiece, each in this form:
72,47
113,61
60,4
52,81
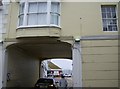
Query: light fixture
77,38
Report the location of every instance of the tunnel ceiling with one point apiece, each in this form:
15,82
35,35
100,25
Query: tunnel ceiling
46,49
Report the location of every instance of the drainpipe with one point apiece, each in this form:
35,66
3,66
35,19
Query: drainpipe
77,65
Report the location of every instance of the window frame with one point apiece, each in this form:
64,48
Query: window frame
116,12
48,12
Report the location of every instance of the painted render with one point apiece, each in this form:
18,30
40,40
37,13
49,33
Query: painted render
98,49
1,43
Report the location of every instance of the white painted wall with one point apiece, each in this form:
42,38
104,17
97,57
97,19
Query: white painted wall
77,65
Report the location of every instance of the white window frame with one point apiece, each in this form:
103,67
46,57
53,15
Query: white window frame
48,13
116,7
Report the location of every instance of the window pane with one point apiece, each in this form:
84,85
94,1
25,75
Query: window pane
105,28
42,7
113,9
22,8
32,19
114,27
21,20
42,19
109,21
109,15
54,13
108,9
103,9
55,7
32,8
109,28
113,15
104,22
54,19
21,14
114,21
103,15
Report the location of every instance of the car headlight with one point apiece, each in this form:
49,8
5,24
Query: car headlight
37,85
51,85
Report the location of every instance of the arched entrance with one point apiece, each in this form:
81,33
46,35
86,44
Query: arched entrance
24,57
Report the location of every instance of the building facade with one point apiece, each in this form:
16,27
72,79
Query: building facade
86,32
49,69
1,44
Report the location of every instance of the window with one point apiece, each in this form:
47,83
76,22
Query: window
21,14
109,18
54,13
39,13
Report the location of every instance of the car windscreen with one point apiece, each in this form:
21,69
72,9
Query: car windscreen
50,81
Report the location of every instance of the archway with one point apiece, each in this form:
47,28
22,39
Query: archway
25,56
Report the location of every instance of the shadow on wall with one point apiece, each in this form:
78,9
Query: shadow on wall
23,69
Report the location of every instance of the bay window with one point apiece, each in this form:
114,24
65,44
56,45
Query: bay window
39,13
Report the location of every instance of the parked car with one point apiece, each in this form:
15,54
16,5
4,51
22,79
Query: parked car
67,75
45,83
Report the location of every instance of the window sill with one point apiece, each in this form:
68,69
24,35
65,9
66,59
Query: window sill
110,31
39,26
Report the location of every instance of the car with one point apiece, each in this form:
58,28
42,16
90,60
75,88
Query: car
67,75
45,83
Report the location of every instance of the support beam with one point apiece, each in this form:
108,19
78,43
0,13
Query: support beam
77,65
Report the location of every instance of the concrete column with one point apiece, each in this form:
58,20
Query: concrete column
0,65
41,70
77,65
4,67
118,42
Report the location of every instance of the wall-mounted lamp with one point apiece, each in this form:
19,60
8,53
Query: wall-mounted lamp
77,38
